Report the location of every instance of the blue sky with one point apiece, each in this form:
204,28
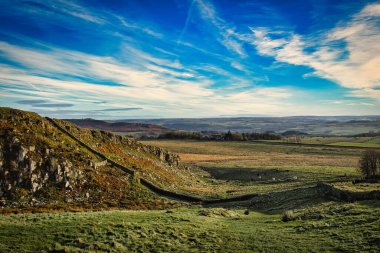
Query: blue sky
196,58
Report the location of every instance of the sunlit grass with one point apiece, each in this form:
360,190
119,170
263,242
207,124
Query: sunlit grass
357,144
326,227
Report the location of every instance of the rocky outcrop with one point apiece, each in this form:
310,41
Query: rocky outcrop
162,154
25,170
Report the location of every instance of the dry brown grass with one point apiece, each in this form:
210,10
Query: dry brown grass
236,165
273,159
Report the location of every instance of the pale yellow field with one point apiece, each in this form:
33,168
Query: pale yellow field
273,159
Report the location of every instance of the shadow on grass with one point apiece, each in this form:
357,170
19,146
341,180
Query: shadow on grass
278,202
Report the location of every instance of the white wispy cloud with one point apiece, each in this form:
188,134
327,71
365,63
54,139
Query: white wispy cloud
55,9
156,85
138,27
355,66
68,13
75,10
227,34
187,21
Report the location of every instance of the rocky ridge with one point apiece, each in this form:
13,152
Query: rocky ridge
40,165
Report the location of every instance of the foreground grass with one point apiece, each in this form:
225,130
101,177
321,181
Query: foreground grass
327,227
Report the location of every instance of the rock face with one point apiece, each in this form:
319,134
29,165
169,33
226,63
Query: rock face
162,154
24,170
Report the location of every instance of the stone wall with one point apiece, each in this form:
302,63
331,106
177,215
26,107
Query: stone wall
333,192
96,165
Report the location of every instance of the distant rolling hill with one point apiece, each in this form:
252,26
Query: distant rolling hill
117,126
315,125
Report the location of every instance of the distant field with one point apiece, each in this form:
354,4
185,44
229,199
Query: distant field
233,168
363,142
245,148
356,144
370,142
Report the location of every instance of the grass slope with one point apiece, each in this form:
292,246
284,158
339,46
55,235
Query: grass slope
132,154
328,227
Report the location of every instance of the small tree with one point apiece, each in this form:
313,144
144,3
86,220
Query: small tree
228,136
369,163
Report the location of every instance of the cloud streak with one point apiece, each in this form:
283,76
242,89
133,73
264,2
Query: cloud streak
157,88
43,103
354,67
226,33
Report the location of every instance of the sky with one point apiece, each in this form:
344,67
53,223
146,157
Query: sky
120,59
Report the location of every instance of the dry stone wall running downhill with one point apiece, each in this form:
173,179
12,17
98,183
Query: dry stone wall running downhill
324,189
157,190
113,163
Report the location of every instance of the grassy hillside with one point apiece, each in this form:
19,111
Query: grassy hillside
42,167
154,164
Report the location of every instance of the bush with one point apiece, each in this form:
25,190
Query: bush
369,164
289,216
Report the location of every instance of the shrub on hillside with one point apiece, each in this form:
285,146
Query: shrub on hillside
289,216
369,164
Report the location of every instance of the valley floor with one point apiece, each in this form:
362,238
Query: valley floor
234,168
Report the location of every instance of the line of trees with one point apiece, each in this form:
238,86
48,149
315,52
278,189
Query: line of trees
182,135
229,136
250,136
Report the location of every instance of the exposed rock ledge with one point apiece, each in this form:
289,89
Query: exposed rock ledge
26,169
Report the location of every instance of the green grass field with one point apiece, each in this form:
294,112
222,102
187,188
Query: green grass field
328,227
